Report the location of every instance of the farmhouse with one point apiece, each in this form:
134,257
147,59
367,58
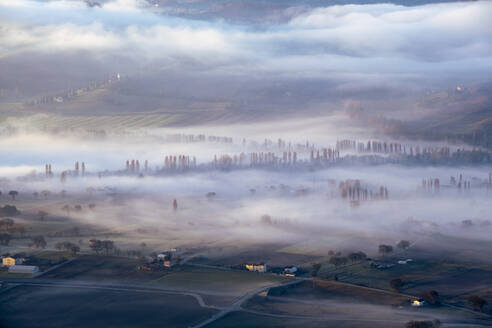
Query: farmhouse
257,267
417,303
9,261
29,269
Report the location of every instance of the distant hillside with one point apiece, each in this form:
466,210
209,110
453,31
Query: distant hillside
458,115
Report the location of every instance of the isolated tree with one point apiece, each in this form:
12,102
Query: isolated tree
66,208
13,194
431,297
403,244
38,241
477,302
385,249
42,215
35,194
315,268
45,193
175,205
4,239
92,206
78,208
396,284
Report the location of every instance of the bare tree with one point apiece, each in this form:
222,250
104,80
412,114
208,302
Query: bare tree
13,194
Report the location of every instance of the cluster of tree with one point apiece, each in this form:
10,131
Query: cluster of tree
77,208
68,246
99,246
9,210
387,249
38,242
477,302
423,324
396,284
431,297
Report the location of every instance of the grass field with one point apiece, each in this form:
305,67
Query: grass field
71,307
322,290
118,269
233,282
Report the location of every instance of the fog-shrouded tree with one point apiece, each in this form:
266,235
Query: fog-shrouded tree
403,244
38,241
357,257
396,284
96,245
13,194
42,215
5,239
108,246
385,249
66,208
68,246
477,302
6,224
315,269
338,260
45,193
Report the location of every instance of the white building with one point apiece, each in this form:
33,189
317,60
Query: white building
290,270
26,269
